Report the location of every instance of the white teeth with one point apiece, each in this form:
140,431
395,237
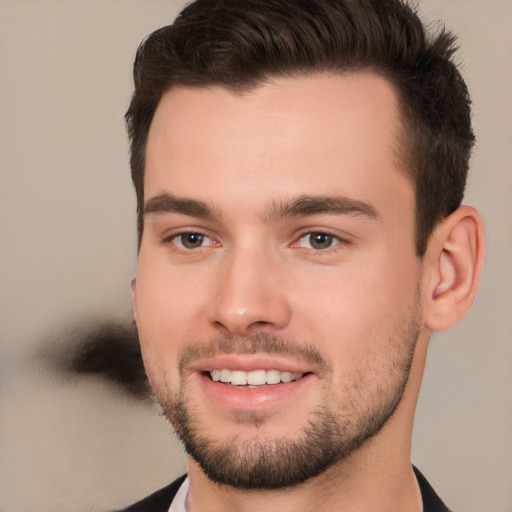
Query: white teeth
286,376
254,378
273,376
238,378
225,376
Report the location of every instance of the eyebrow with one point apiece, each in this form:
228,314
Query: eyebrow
301,206
305,205
167,203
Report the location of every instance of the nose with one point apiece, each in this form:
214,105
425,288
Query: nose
251,294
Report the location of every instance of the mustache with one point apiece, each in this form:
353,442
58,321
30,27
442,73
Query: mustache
258,343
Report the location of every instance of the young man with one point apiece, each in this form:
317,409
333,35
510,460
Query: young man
299,169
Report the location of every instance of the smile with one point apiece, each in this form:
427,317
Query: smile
253,378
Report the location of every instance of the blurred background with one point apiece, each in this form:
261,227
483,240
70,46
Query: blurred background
75,435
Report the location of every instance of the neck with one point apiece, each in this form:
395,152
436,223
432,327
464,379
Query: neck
349,492
371,479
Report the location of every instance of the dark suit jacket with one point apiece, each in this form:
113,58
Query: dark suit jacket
161,500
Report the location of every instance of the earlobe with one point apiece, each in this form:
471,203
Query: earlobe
455,257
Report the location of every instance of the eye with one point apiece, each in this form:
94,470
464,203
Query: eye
318,241
191,240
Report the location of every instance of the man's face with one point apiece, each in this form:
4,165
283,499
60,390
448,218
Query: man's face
278,244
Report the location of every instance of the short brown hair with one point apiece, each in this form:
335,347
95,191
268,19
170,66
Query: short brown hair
238,44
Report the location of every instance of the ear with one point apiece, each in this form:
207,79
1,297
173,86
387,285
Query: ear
133,288
455,256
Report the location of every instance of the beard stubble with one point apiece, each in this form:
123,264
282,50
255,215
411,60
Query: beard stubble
326,437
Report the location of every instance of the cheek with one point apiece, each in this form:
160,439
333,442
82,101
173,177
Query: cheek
163,303
165,296
358,310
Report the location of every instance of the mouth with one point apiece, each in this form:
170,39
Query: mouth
253,384
254,378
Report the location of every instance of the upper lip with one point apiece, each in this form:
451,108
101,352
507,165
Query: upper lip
248,363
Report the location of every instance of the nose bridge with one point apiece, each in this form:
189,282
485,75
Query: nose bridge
250,290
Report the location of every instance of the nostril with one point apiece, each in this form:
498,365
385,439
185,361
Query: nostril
259,323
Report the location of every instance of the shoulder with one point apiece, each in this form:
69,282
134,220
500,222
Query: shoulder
431,501
159,501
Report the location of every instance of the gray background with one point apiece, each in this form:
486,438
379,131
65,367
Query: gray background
67,236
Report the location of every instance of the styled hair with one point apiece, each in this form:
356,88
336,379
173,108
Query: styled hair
239,44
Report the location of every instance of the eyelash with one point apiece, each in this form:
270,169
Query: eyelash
333,240
172,240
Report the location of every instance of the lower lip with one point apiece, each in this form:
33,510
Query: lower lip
245,398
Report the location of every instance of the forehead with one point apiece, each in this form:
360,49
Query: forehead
323,134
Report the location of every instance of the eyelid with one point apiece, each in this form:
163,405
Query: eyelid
342,240
169,238
342,236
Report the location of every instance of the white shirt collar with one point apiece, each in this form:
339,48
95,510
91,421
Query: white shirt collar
179,502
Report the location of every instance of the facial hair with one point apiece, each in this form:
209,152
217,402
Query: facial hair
331,432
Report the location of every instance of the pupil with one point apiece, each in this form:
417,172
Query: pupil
192,240
320,240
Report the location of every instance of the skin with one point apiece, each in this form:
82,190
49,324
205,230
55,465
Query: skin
233,160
